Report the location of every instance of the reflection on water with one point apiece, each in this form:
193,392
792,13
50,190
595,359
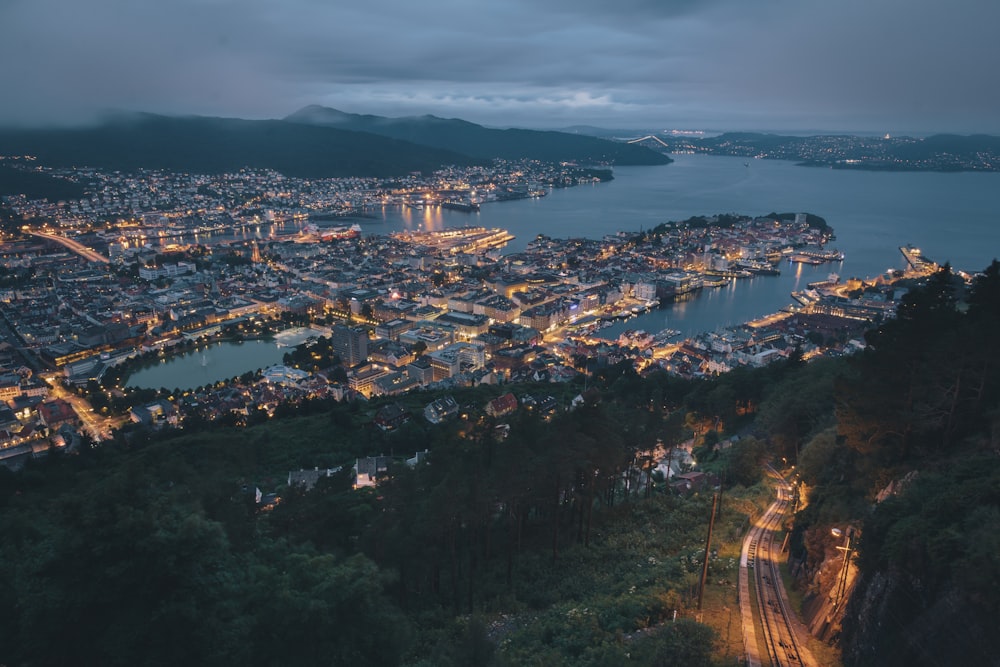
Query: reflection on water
952,216
419,218
207,365
738,301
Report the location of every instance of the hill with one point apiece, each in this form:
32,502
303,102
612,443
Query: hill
940,152
484,143
36,185
216,145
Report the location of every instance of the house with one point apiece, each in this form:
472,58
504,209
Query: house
690,481
308,478
441,409
418,458
502,406
368,470
156,413
390,417
55,413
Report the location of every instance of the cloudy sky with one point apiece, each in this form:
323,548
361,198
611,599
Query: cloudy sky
855,65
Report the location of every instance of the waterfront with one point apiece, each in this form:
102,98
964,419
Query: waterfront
206,365
952,216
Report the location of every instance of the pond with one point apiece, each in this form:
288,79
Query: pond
206,365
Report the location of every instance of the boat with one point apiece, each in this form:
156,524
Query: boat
467,207
757,267
715,282
338,233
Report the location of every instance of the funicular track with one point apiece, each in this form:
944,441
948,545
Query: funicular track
781,646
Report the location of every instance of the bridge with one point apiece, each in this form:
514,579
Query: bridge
83,251
649,137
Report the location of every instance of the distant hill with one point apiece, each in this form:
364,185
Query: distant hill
216,145
36,185
484,143
939,152
965,146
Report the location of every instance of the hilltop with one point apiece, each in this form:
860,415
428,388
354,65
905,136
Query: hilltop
313,143
216,145
481,142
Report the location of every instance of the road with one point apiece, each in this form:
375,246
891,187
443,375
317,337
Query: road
99,428
781,641
78,248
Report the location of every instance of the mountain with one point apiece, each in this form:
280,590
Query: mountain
215,145
484,143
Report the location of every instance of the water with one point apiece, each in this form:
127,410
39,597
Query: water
207,365
951,216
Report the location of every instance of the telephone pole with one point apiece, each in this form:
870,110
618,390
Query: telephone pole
708,546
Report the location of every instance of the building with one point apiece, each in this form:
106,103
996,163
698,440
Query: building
350,344
393,328
391,416
438,411
55,413
456,358
502,406
307,478
368,470
363,380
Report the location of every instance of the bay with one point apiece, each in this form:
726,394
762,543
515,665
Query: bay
951,216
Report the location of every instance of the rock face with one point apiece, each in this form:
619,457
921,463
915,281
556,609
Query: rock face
893,620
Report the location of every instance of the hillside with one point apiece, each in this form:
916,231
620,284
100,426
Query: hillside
549,544
36,185
910,464
216,145
940,152
484,143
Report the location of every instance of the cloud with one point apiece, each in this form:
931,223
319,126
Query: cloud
726,63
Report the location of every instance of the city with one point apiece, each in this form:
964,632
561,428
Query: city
158,262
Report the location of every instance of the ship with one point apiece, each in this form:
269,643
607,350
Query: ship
467,207
338,233
757,266
817,256
332,233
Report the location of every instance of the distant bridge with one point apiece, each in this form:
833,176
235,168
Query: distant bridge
649,137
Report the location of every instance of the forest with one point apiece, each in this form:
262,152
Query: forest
548,541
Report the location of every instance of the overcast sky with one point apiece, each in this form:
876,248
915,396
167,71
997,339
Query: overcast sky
855,65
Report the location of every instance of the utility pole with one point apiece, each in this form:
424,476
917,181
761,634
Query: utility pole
708,545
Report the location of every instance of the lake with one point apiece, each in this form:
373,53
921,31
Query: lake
207,365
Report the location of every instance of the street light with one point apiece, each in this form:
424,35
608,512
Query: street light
848,549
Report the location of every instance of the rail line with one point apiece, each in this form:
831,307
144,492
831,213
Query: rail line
782,645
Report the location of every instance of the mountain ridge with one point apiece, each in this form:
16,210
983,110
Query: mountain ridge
481,142
214,145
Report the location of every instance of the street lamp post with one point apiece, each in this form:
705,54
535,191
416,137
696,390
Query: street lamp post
847,549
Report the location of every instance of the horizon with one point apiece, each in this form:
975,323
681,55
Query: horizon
108,117
855,68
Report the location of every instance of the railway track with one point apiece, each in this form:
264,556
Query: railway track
780,643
